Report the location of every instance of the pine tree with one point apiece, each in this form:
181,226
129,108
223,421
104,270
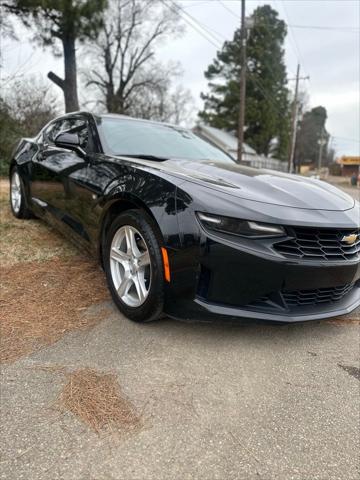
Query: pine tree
311,131
267,115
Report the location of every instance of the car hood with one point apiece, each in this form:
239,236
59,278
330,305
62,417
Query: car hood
266,186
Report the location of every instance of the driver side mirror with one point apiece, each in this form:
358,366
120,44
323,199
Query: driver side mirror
70,141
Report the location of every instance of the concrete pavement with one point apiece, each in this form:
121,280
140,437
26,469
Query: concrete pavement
217,402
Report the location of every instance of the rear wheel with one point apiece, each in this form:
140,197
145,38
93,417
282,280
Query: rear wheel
17,197
133,266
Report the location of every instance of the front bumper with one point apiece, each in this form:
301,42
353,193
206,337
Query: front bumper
302,314
231,281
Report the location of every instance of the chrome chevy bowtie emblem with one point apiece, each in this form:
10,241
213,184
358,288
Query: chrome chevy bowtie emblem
349,239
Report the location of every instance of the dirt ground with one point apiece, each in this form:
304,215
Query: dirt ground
88,395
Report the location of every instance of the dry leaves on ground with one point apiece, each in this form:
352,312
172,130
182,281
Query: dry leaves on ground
41,301
345,321
29,240
97,400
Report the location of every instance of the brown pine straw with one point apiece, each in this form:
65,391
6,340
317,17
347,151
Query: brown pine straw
95,398
42,301
340,322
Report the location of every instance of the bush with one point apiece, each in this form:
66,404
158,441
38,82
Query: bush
10,131
25,107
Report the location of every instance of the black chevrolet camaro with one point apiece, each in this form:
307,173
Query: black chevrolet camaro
181,229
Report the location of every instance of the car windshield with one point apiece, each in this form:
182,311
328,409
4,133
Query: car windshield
155,141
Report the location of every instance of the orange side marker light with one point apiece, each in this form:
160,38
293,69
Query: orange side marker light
166,264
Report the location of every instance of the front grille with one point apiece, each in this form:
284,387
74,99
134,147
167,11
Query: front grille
319,244
292,299
299,298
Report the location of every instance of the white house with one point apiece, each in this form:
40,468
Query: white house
228,142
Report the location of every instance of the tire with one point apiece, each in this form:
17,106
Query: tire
17,196
135,276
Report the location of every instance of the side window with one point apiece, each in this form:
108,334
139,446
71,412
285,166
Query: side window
79,126
51,132
71,125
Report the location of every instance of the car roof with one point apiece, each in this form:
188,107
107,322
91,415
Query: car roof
126,117
115,115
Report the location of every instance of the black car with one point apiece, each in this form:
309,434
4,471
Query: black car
181,229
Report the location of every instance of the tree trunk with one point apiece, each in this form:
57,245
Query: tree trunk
69,84
70,81
114,102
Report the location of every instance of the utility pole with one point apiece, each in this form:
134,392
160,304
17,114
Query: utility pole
322,143
241,124
293,122
294,115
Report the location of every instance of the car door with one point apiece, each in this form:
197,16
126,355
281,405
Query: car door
82,184
51,186
45,186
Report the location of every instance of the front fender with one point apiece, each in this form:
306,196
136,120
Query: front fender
155,195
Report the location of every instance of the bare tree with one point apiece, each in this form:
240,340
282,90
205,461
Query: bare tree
65,21
125,51
31,103
26,105
6,26
164,104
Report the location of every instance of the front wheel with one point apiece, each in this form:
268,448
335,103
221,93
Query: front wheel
133,266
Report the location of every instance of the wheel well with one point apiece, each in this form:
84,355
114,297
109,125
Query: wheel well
115,209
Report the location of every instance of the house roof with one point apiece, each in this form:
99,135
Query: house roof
223,139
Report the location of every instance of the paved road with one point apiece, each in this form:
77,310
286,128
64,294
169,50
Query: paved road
218,402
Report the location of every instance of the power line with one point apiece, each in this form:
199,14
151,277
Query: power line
307,27
257,82
229,9
298,55
264,62
353,140
264,24
202,25
209,30
195,24
265,93
177,9
196,4
325,27
310,27
263,89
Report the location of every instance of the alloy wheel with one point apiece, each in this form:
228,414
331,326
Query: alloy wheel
15,192
130,266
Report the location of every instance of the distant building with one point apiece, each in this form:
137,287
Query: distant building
228,142
349,166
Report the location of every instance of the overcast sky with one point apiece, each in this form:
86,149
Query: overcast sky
329,55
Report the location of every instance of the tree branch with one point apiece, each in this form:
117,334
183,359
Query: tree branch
57,80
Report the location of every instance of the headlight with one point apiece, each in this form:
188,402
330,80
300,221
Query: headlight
234,226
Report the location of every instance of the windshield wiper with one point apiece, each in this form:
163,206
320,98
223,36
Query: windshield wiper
143,156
